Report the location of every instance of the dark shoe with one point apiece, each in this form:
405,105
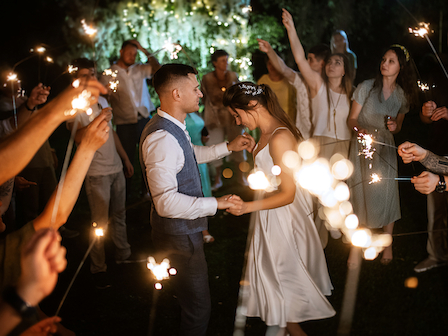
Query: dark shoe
428,264
133,258
67,233
101,280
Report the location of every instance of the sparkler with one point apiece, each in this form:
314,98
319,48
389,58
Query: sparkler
113,83
366,141
376,178
99,232
160,272
423,31
172,48
89,30
423,86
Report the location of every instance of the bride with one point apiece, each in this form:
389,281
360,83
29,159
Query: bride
286,269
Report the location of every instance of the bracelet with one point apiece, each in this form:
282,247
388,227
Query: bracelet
22,307
29,109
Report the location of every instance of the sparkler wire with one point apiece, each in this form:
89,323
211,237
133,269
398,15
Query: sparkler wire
76,274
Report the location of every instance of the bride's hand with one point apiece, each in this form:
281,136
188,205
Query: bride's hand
239,207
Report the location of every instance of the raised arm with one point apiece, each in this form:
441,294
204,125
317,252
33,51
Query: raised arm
18,149
155,65
312,78
276,60
95,136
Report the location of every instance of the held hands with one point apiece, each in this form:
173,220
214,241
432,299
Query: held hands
431,111
440,113
41,261
232,204
428,108
241,142
287,20
264,46
426,182
411,152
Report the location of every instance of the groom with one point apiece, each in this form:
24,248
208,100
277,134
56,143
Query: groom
178,207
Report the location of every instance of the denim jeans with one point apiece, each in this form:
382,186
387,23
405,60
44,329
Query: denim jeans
106,196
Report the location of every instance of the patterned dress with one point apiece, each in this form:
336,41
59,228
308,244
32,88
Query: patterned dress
376,204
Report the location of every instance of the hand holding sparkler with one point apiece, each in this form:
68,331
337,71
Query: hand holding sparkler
426,182
411,152
107,112
38,96
96,134
428,109
391,124
242,142
42,259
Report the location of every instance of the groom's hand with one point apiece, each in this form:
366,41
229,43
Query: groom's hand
227,201
241,142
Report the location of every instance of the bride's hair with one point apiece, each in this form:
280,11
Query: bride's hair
240,95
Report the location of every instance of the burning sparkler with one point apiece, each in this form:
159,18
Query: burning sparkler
89,30
366,141
99,232
423,86
172,48
113,83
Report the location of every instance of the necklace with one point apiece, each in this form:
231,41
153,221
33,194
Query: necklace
334,112
221,82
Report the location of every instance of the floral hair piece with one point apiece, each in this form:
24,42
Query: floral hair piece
405,51
250,89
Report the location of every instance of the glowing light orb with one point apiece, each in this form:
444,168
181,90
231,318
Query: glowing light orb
172,48
361,238
81,102
158,286
345,208
276,170
258,181
11,77
423,86
227,173
351,222
342,169
315,177
290,159
329,199
307,150
75,84
172,271
40,50
89,111
244,166
99,232
72,69
411,282
370,253
49,59
342,192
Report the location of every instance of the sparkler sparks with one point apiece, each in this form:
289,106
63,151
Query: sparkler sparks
366,141
71,69
375,178
12,77
49,59
113,83
423,86
421,30
172,48
89,30
160,271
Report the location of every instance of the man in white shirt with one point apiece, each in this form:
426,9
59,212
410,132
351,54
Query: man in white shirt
178,208
131,103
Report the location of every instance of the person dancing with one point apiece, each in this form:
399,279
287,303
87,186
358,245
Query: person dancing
286,268
379,107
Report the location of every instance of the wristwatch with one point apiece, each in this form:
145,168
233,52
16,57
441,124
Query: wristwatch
22,307
441,187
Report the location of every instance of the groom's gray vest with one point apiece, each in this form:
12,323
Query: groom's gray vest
188,180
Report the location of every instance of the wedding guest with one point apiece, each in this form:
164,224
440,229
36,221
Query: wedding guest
339,45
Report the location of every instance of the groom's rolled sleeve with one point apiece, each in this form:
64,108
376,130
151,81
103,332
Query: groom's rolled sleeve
164,159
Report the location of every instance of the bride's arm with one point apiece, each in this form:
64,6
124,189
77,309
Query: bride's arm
281,142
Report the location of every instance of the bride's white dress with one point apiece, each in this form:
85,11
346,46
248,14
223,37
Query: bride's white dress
286,275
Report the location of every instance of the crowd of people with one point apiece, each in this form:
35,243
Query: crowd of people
287,278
